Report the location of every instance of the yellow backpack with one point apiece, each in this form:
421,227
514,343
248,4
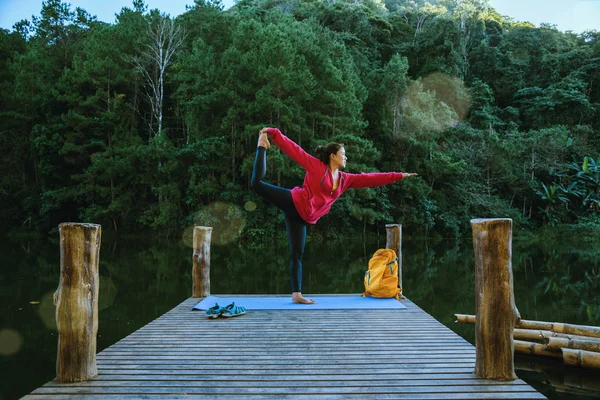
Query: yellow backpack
381,280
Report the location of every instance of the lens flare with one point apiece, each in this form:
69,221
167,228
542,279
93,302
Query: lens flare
450,90
10,342
187,237
227,220
435,103
250,206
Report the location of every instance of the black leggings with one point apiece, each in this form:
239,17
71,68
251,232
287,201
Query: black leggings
282,199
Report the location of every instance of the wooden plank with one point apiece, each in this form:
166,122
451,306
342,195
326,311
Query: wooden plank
408,379
290,338
259,346
191,341
259,389
384,383
295,357
301,354
173,351
318,320
396,396
273,370
314,333
228,364
211,326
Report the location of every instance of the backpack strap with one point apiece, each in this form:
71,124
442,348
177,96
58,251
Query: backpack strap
392,262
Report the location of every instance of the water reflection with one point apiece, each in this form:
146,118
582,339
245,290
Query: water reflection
555,280
556,381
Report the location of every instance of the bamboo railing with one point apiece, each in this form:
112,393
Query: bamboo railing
554,327
555,340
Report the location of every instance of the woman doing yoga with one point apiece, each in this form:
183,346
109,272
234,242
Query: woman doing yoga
324,183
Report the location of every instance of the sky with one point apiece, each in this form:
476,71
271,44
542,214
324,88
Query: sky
575,15
12,11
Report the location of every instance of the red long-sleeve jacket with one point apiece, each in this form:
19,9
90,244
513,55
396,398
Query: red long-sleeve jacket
315,197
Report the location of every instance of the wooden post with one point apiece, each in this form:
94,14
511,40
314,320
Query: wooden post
76,301
496,314
394,242
201,258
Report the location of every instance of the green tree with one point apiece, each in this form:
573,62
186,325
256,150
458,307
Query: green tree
15,171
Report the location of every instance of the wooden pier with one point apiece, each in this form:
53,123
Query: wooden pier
299,354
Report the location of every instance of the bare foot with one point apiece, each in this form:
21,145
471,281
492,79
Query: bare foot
263,140
298,298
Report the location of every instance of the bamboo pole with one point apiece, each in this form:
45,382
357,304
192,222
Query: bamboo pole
465,318
581,358
520,334
554,329
394,242
201,261
559,327
549,334
554,343
537,349
496,314
76,301
528,335
581,330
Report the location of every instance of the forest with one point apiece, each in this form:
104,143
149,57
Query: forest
150,124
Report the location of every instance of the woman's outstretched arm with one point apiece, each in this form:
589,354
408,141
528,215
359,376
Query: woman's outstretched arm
294,151
373,179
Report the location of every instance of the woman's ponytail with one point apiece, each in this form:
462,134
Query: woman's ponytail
323,152
321,155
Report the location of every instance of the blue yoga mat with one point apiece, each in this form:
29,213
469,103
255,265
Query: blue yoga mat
349,302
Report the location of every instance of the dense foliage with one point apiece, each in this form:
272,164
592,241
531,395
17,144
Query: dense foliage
151,123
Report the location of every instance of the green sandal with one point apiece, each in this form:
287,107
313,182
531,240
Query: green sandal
233,311
215,311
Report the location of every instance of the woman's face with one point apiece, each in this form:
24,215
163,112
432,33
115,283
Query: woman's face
339,159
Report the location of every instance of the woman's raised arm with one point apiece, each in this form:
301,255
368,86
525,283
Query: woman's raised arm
294,151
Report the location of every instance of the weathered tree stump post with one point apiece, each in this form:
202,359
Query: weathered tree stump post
76,301
497,314
394,242
201,258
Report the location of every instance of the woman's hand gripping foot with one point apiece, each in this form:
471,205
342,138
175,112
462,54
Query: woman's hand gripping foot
263,139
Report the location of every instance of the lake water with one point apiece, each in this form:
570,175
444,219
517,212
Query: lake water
555,280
